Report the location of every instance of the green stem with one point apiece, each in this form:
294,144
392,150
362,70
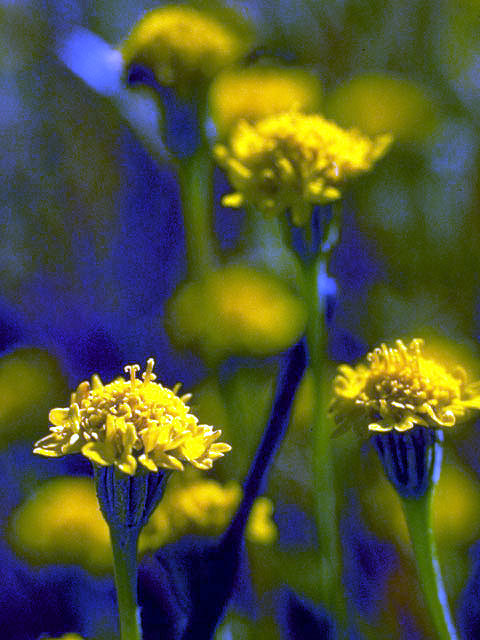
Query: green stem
195,177
124,546
325,508
418,514
195,174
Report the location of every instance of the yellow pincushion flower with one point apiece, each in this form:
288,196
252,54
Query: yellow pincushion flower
186,46
256,92
131,421
292,161
400,388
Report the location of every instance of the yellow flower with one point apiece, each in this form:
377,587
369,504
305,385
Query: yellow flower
131,421
61,523
185,46
254,93
236,309
205,507
292,161
400,388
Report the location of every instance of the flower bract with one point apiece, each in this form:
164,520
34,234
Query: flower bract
400,388
292,161
128,422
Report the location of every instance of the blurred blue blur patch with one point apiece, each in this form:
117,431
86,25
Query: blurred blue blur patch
368,564
296,531
32,604
469,607
93,60
301,619
190,581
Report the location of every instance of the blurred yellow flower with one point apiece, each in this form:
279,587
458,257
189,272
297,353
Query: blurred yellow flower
400,388
236,309
204,507
254,93
260,527
30,381
452,526
378,103
67,636
292,161
131,421
186,46
61,523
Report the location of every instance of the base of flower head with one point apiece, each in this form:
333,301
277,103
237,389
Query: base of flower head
411,459
127,501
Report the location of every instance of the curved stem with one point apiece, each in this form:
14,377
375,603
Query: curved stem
418,514
124,546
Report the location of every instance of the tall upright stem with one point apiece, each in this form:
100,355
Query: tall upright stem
195,177
319,242
418,514
195,174
124,546
325,503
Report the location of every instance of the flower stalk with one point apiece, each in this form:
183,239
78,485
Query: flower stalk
195,179
124,549
126,503
317,340
418,515
412,462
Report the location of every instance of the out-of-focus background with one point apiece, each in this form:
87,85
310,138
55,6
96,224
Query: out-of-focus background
92,251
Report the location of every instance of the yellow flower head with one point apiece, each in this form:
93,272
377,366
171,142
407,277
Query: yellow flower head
256,92
291,161
185,46
205,507
400,388
131,421
61,523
